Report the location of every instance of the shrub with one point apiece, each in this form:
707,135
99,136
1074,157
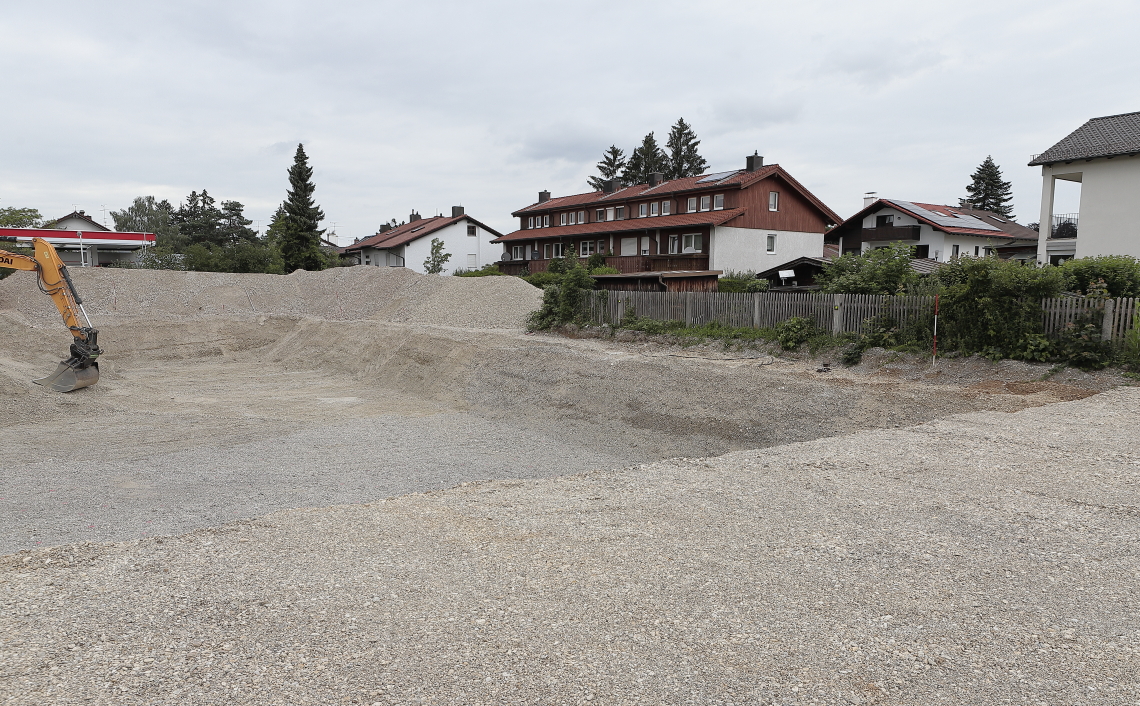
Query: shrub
1120,273
879,271
605,271
1080,346
595,261
1033,346
794,332
542,280
993,305
562,301
489,270
745,285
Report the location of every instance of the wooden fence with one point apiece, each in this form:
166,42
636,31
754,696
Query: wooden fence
838,313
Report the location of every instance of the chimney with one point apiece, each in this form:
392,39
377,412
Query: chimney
609,186
385,227
543,196
414,217
869,198
456,211
656,178
753,162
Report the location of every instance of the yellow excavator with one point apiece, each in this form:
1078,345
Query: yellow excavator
82,368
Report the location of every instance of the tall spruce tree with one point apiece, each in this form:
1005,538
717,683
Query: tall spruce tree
988,192
684,160
611,166
300,241
646,159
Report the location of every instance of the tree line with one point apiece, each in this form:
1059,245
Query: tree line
678,159
210,236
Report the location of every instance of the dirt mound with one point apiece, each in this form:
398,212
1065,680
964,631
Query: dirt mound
394,295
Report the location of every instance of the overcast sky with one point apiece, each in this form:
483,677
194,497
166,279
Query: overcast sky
427,105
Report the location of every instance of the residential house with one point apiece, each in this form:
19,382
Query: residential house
78,220
1104,156
937,232
90,248
468,241
733,220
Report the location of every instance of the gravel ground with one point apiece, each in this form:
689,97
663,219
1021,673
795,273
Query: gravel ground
985,558
194,425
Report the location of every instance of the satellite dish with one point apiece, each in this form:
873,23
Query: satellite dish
506,257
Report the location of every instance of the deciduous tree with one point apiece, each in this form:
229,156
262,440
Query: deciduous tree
433,265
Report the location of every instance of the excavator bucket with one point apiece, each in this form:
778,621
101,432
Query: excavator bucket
66,378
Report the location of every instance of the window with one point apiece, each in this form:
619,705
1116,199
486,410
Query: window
884,221
718,202
619,213
472,261
771,246
546,221
692,242
643,210
645,245
666,206
518,252
572,218
587,248
692,205
564,219
602,246
704,203
530,222
922,252
610,213
674,245
977,250
653,208
600,215
773,200
954,251
546,251
471,231
559,250
581,216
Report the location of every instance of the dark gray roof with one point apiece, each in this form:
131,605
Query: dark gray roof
1100,137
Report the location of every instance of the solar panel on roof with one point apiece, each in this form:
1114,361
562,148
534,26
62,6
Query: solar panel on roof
717,177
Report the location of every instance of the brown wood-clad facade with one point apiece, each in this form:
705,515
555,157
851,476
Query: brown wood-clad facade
671,281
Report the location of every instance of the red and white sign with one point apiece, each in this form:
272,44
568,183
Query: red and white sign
75,238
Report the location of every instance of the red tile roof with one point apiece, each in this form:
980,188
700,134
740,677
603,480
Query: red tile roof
406,233
736,179
713,218
985,224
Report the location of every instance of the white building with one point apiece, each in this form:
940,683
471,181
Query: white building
1103,155
467,241
937,232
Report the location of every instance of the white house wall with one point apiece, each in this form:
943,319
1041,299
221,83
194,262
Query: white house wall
746,248
1108,224
455,241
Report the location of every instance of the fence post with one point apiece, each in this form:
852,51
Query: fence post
620,312
837,315
755,311
1106,324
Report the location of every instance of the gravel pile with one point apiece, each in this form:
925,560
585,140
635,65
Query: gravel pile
984,558
389,294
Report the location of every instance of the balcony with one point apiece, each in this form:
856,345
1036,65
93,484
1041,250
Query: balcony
625,265
904,233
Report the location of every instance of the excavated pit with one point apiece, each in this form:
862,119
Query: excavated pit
226,396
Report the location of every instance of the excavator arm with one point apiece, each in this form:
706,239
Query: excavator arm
82,368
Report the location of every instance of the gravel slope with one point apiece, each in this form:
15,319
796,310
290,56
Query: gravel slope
984,558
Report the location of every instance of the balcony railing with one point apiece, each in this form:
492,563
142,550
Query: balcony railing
623,264
1064,225
891,233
